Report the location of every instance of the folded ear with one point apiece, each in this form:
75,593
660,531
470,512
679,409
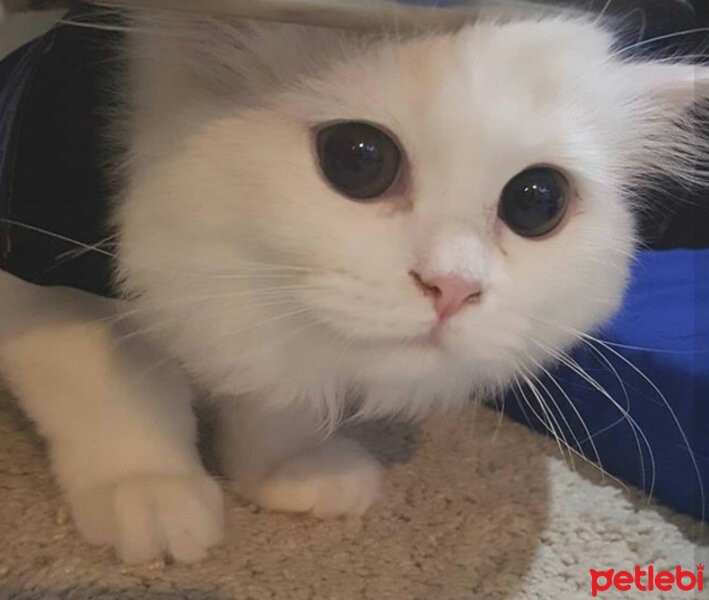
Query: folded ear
665,106
676,86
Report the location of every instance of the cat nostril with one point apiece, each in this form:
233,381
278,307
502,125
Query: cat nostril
426,288
449,292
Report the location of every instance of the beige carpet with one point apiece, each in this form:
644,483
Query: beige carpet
471,510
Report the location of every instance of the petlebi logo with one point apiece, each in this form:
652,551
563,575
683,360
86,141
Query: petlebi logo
647,579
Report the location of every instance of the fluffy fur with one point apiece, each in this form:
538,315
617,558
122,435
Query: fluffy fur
290,304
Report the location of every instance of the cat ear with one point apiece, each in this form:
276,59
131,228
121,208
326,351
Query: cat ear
659,101
676,86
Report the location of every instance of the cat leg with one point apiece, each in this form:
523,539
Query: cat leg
118,422
281,461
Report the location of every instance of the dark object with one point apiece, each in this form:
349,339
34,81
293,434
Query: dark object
54,186
534,202
358,159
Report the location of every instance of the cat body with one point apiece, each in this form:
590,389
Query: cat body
244,272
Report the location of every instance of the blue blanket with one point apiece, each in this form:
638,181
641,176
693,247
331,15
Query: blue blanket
658,346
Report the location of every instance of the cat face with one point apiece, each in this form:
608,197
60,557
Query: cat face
421,215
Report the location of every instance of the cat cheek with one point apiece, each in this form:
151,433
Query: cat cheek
499,234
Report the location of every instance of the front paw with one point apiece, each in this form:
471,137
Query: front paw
336,478
149,517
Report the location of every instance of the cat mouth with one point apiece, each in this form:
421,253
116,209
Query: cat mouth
430,339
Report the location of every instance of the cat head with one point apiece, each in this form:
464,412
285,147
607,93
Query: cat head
311,210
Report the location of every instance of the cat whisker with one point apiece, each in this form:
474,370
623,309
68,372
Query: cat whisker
580,418
500,402
638,433
79,252
597,467
63,238
246,268
556,428
250,296
685,440
257,324
163,324
617,344
545,420
590,437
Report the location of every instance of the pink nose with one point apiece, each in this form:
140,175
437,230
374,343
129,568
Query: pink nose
450,293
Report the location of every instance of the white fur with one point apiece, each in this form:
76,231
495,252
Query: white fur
283,299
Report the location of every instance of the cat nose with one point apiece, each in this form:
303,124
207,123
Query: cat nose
450,293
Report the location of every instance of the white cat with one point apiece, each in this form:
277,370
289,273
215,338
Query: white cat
312,218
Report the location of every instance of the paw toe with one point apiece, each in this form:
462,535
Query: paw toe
149,517
338,478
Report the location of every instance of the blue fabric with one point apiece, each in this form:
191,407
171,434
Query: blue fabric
663,330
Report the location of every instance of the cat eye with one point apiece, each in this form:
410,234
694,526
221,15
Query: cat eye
534,202
358,159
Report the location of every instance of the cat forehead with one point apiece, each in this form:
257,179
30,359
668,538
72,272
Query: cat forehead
509,94
531,64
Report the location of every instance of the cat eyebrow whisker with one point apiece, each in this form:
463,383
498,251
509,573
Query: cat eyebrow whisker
664,37
603,11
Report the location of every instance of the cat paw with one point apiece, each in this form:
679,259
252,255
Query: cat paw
150,517
336,478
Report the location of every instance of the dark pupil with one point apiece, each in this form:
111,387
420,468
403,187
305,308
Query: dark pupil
534,202
358,159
